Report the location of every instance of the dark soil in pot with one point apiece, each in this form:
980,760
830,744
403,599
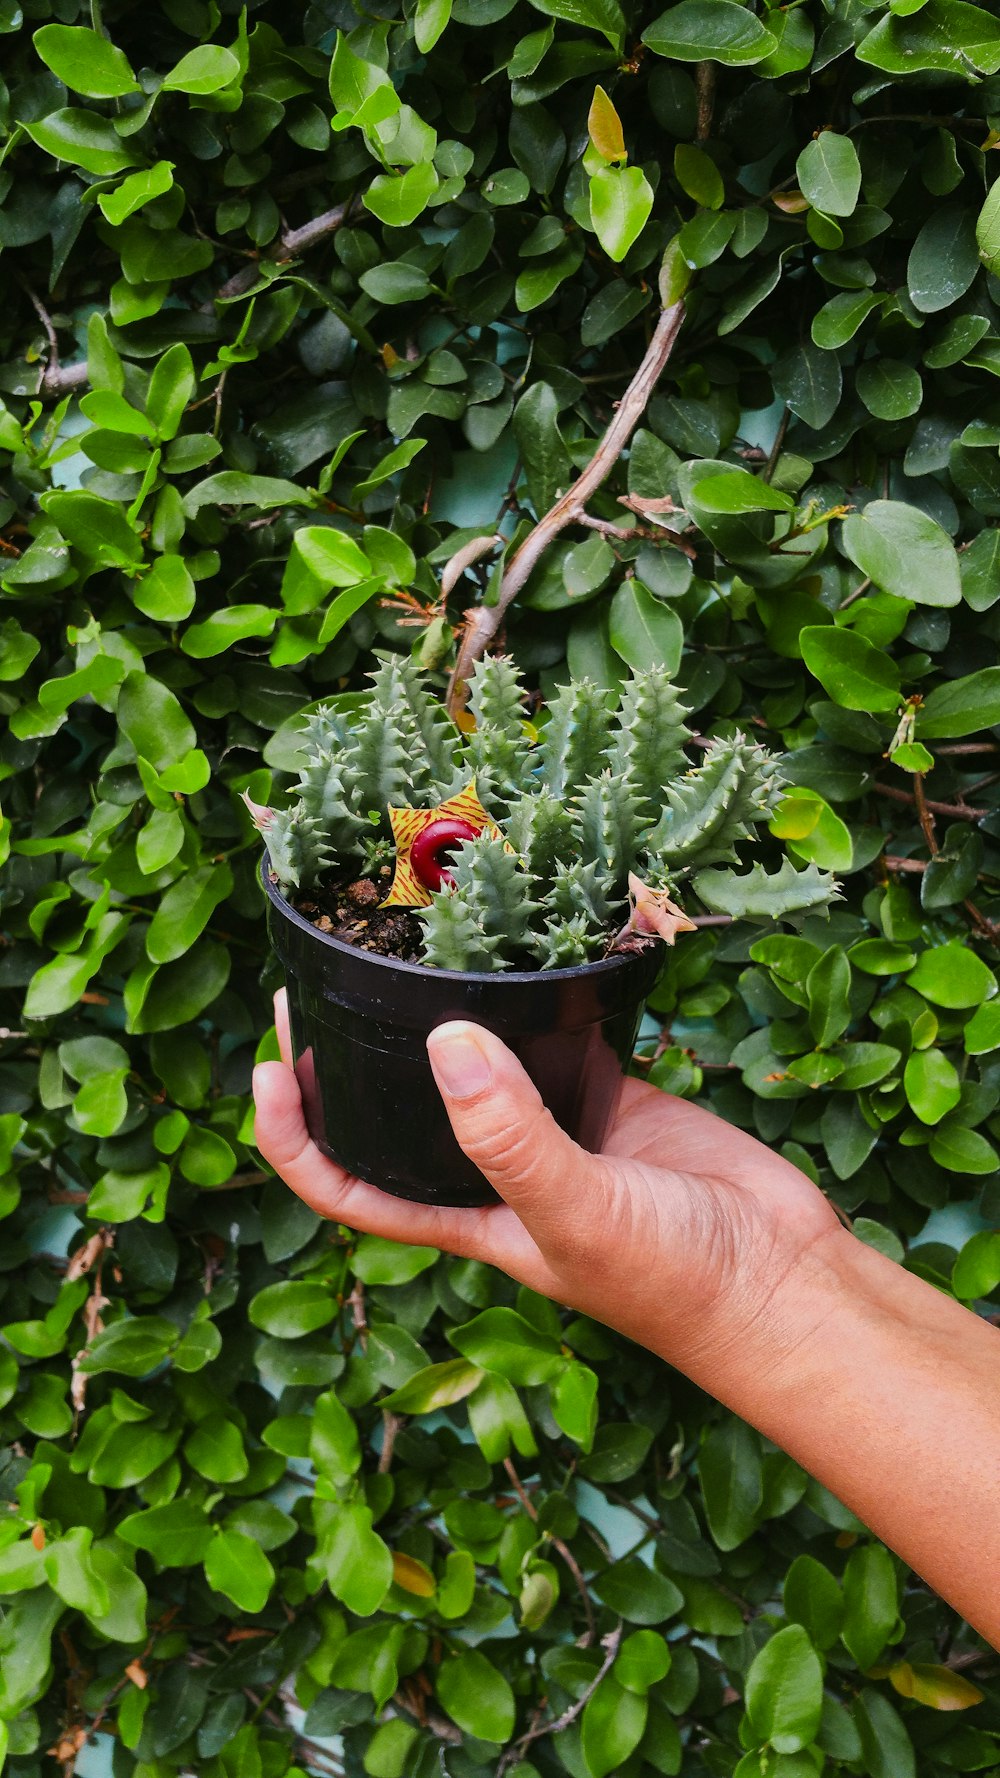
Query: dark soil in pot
360,1022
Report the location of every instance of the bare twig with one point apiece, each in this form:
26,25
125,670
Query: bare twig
391,1424
565,1552
775,452
484,622
954,811
291,244
705,78
554,1725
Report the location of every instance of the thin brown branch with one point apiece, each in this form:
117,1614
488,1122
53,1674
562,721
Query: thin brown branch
484,622
554,1725
919,865
779,439
291,244
565,1552
705,76
925,814
858,593
391,1424
954,811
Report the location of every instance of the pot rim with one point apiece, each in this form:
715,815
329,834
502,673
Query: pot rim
602,965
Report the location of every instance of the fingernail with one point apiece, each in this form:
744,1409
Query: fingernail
459,1064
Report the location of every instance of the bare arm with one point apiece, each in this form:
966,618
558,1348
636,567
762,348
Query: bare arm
694,1239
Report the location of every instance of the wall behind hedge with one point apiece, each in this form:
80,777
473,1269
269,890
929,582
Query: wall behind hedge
261,379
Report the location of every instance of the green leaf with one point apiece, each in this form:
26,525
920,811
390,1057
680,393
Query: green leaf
808,381
82,138
237,1566
638,1593
645,632
982,1033
613,1724
960,1150
852,672
501,1340
698,176
167,593
397,199
85,61
829,174
355,1562
333,1440
837,322
905,553
870,1603
605,16
943,261
784,1691
136,191
886,1748
292,1308
435,1387
230,487
377,1260
621,199
476,1696
320,558
976,1272
932,1085
151,717
731,1477
828,987
812,1598
185,910
133,1348
231,624
642,1661
203,70
395,282
710,31
889,389
961,706
429,21
573,1397
952,975
988,229
544,457
177,1534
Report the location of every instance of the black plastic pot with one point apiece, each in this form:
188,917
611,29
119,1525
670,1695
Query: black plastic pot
359,1028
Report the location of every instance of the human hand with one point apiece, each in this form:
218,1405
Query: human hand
679,1233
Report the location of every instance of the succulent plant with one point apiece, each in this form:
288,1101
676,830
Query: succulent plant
602,822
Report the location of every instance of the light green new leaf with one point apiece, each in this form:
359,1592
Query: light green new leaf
236,1565
784,1691
621,199
85,61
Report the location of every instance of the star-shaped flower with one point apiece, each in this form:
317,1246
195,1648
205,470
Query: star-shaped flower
425,840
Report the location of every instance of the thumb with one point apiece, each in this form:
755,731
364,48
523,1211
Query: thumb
555,1187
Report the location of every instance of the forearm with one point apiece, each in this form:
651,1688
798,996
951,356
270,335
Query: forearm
888,1392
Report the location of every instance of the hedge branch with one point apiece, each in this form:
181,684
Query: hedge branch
483,623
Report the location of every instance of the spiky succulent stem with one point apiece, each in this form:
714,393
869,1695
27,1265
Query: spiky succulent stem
579,892
607,825
714,806
575,739
453,937
497,890
499,747
297,847
647,744
540,829
565,944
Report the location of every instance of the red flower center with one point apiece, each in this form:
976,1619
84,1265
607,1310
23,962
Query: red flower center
433,847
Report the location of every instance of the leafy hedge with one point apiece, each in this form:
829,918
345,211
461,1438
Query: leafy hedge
281,1499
